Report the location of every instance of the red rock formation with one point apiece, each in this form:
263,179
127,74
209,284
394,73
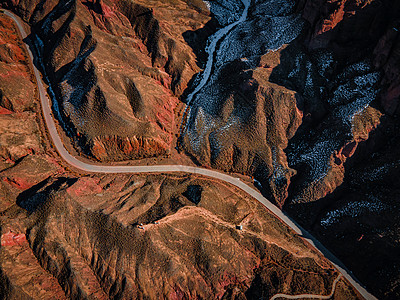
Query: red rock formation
129,95
15,77
343,25
187,246
84,186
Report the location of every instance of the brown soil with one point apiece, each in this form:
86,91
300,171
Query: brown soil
154,237
120,67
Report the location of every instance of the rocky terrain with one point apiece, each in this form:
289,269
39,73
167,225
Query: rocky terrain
158,237
21,142
292,117
273,108
116,69
67,235
360,220
309,108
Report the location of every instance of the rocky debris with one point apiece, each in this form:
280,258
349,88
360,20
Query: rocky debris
90,244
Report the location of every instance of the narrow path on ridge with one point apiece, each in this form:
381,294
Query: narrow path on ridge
309,296
106,169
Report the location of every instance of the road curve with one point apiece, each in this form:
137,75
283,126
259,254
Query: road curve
309,296
73,161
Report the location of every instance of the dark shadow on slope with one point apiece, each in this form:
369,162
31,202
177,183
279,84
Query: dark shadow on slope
78,74
197,40
345,220
193,193
314,75
32,198
162,208
358,30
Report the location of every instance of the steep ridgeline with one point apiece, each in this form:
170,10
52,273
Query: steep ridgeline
240,121
360,220
348,27
116,69
272,108
165,237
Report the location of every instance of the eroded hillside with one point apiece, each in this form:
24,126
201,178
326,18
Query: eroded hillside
116,69
301,95
65,235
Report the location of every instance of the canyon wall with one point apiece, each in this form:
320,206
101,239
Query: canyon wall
351,28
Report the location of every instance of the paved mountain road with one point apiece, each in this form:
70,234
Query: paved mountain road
73,161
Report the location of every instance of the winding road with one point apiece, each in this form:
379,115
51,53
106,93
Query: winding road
73,161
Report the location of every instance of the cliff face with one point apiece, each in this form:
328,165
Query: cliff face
359,220
116,69
286,114
352,27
